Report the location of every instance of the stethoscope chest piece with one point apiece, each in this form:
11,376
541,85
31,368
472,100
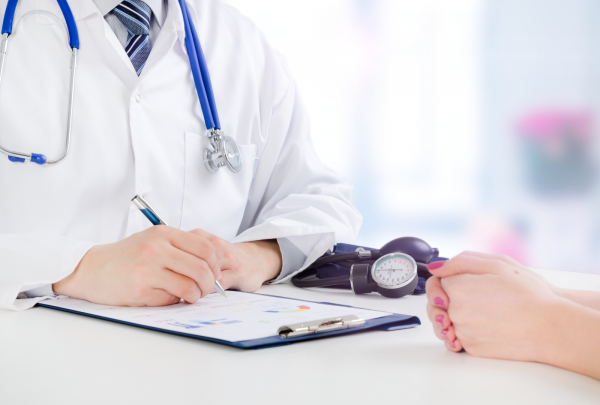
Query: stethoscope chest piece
223,151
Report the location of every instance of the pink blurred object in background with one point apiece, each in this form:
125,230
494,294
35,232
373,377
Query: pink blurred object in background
557,151
544,124
496,234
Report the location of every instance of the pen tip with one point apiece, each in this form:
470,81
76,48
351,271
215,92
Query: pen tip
220,289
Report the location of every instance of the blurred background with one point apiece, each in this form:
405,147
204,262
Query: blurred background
468,123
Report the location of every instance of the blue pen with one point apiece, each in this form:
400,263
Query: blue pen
157,220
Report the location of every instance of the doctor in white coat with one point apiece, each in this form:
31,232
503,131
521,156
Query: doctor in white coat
71,228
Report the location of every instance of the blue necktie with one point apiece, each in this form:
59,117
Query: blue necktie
135,16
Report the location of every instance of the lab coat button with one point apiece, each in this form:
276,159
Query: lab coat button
138,98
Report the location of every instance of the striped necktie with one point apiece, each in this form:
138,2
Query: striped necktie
135,16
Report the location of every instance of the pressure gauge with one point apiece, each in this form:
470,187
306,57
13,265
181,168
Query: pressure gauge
394,270
393,275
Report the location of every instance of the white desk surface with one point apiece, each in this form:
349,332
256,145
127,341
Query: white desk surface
52,357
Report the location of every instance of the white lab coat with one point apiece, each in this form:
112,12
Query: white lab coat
146,136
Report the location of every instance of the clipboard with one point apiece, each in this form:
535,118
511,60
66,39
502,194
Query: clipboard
287,334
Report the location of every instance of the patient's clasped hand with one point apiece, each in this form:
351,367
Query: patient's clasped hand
492,306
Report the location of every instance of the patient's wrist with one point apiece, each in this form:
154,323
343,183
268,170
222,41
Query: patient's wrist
561,292
590,299
571,332
551,340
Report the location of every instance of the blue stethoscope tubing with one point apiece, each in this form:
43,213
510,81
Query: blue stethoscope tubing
200,71
7,28
195,54
9,15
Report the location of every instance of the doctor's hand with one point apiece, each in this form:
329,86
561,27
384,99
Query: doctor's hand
494,307
156,267
245,266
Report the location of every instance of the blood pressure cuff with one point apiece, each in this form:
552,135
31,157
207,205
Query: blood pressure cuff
335,270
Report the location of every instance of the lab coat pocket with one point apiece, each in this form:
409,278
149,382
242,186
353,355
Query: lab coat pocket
214,202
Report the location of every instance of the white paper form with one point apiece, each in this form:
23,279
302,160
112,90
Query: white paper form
240,316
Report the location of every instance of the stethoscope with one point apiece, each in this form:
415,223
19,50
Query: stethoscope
393,271
222,150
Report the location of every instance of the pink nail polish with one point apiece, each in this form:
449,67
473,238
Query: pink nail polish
445,333
452,345
439,302
435,265
439,320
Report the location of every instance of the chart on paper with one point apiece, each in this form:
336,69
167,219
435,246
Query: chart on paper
240,316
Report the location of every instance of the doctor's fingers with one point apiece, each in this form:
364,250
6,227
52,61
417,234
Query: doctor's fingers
227,254
197,246
172,283
221,246
243,281
436,295
156,297
203,233
191,267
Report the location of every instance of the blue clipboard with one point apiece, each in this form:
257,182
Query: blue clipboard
386,323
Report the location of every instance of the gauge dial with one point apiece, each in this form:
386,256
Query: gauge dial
394,270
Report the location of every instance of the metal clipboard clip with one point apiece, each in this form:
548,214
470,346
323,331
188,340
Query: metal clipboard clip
324,325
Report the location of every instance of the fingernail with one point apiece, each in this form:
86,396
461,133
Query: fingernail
435,265
439,302
444,333
218,273
452,345
439,320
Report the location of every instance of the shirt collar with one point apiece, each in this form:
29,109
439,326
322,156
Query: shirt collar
159,8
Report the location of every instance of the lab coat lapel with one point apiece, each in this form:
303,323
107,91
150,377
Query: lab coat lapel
80,8
113,54
86,12
175,24
181,26
170,31
118,48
